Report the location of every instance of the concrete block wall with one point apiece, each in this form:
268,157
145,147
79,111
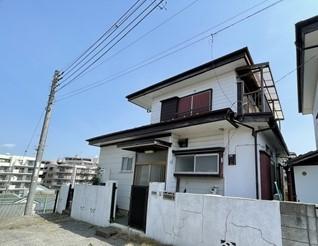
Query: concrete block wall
62,198
204,220
93,203
299,224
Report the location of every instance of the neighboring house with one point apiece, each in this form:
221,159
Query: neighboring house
69,170
15,173
303,170
214,129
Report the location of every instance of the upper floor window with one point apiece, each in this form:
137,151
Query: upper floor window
193,104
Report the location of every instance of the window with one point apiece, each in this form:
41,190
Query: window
126,164
195,104
198,164
169,109
146,174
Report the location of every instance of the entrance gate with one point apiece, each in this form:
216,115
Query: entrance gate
138,207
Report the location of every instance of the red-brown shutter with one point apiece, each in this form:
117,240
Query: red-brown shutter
169,109
201,102
184,106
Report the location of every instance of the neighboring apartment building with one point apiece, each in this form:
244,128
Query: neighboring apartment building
16,173
71,170
214,129
303,170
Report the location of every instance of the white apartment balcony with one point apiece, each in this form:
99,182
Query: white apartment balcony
20,181
18,188
15,172
65,171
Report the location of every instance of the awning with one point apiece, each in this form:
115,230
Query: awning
145,145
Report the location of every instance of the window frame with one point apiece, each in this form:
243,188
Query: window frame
194,165
122,164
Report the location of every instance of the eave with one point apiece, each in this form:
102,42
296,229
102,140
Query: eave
301,29
161,127
192,73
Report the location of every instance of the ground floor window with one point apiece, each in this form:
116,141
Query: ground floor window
126,164
197,164
145,174
150,167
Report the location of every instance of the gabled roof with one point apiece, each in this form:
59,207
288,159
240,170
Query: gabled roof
303,28
219,62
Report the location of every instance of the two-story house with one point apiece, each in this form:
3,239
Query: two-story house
303,170
214,129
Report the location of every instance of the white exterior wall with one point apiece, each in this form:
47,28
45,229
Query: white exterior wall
110,159
306,185
92,203
224,84
239,179
201,185
195,219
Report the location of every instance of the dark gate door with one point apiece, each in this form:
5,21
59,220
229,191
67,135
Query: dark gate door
69,198
138,207
112,208
266,177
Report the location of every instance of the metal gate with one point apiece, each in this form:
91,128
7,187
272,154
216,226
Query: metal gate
112,208
138,207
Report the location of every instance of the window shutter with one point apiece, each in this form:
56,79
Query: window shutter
169,109
184,106
202,102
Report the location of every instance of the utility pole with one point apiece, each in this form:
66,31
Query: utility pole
40,149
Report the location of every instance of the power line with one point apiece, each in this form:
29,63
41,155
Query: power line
295,69
185,41
103,37
142,36
32,135
160,56
99,57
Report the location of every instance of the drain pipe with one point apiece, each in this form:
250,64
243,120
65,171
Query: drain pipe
254,134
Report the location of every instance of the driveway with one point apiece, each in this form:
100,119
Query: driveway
59,230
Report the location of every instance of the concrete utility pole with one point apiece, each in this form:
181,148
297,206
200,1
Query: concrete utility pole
40,149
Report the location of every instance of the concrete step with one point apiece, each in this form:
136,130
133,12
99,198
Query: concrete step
107,232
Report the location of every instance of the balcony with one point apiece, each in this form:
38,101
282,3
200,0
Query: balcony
21,181
257,92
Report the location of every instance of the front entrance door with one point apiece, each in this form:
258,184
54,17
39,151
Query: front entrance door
148,168
266,177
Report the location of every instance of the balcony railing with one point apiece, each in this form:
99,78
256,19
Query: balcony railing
253,103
